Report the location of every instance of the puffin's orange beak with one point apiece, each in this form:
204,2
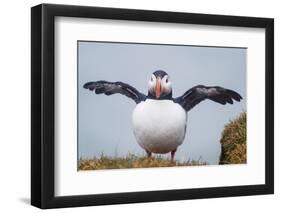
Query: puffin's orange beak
158,88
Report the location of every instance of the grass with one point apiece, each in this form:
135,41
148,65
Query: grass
233,151
233,141
131,161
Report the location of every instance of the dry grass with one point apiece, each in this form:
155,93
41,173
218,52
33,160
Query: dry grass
233,141
131,161
233,151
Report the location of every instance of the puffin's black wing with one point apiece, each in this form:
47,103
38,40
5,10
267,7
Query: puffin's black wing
109,88
199,93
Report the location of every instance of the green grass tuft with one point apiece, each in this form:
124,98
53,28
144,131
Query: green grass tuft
233,141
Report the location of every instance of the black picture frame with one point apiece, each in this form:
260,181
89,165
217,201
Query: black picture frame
43,105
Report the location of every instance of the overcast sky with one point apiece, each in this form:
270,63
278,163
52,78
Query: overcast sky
105,122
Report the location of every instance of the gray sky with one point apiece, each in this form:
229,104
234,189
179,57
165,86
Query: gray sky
105,121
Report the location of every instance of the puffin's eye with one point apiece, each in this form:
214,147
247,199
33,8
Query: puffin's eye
167,80
151,79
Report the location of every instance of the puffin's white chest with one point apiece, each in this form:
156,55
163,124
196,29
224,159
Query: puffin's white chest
159,125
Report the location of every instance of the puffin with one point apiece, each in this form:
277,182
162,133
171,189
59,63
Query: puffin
158,119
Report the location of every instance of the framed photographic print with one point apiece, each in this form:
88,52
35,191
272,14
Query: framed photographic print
139,106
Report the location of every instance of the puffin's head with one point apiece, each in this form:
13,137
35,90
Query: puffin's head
159,85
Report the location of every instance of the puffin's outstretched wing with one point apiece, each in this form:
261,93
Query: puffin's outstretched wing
109,88
199,93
